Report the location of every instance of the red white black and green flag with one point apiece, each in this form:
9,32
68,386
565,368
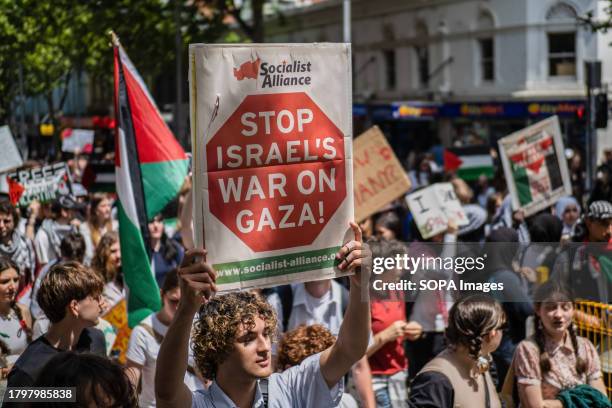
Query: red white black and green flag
535,166
469,163
150,167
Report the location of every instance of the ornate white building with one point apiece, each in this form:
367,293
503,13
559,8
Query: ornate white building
462,68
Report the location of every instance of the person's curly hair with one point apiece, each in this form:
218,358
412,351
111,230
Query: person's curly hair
302,342
218,324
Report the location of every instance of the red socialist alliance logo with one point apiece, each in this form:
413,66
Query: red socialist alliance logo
249,69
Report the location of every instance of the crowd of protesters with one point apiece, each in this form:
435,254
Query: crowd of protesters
314,344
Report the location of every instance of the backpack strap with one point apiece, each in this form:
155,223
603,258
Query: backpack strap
285,293
159,338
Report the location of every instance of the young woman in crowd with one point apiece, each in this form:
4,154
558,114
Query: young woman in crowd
166,254
459,376
388,226
99,222
555,358
15,320
107,263
146,339
567,210
386,354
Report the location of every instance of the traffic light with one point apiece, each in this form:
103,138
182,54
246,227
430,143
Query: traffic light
601,110
580,113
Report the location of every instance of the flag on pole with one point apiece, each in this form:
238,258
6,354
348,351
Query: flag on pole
150,167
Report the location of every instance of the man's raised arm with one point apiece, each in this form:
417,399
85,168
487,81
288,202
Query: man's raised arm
352,341
197,283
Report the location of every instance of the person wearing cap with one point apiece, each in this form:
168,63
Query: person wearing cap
50,234
586,266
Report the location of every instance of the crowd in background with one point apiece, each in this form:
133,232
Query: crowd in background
61,273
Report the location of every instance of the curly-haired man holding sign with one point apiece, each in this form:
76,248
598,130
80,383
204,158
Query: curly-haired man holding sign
232,344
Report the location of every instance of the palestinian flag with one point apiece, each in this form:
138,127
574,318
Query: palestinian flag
470,162
150,167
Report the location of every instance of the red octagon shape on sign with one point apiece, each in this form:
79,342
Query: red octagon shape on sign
290,203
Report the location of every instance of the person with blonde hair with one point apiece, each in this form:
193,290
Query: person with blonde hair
99,222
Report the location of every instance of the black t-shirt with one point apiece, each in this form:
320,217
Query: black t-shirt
33,359
431,390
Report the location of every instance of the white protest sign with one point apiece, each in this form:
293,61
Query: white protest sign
432,208
44,183
77,139
450,204
535,167
272,160
10,158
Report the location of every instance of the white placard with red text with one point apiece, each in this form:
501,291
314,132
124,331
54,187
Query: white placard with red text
272,165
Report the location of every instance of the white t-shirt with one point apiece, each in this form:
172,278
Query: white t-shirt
45,252
143,349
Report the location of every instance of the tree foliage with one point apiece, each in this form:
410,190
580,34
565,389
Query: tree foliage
54,40
232,11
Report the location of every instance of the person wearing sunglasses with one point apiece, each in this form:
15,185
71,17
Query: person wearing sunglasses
146,339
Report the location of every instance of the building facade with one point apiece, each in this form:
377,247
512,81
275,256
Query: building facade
470,71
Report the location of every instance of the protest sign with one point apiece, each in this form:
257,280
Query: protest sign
272,160
432,208
80,140
118,318
10,158
379,177
39,183
535,166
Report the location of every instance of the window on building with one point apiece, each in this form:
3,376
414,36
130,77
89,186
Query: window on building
390,69
487,59
562,54
422,53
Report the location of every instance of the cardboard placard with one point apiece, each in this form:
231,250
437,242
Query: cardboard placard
379,178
